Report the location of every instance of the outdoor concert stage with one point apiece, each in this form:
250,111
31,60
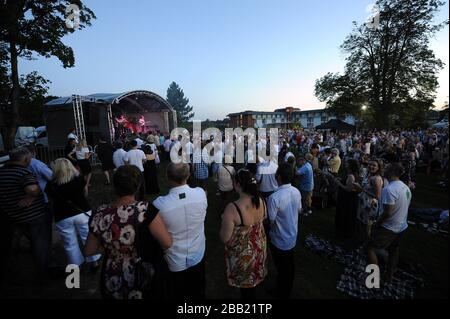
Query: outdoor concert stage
110,115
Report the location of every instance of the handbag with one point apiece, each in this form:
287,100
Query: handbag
144,268
69,202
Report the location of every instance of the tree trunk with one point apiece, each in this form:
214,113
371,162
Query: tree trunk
12,121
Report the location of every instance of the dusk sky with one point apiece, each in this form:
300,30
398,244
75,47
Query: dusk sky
227,55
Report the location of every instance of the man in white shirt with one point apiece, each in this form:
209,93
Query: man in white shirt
390,227
119,155
139,142
135,156
72,134
265,177
283,208
183,211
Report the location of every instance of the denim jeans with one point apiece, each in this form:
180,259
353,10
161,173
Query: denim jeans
69,229
39,232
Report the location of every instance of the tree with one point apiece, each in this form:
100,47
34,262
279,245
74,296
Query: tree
389,68
34,26
33,95
175,97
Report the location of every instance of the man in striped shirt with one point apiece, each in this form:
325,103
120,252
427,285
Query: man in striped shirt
22,206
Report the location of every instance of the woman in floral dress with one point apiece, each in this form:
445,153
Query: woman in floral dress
243,233
113,229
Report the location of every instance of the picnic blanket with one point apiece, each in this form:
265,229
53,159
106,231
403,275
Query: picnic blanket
353,280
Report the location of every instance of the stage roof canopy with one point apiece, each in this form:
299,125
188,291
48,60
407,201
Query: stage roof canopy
142,100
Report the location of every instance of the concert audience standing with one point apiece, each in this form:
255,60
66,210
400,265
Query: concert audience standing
23,203
392,224
243,234
114,229
105,154
224,178
119,155
369,199
69,149
306,186
347,201
265,176
82,155
150,174
68,191
41,171
183,211
72,135
283,207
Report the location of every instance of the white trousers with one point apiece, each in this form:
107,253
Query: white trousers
69,229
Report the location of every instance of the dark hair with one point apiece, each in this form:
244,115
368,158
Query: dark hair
102,138
249,185
380,165
285,173
133,143
315,146
178,173
18,154
353,166
394,169
147,149
118,145
31,148
127,180
291,161
70,140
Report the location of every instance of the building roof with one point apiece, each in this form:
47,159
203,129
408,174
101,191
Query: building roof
277,111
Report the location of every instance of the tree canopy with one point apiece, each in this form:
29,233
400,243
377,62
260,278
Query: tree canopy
390,67
30,27
176,98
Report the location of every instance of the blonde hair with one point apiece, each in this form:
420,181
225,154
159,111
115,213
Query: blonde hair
63,171
82,144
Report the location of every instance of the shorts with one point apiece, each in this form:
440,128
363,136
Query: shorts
382,238
306,198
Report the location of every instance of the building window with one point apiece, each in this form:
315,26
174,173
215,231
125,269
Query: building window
324,119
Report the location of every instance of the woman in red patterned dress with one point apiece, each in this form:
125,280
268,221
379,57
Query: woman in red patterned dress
243,233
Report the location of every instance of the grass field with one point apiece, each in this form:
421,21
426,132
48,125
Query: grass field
316,277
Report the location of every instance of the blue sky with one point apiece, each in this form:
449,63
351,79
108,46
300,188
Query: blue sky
227,55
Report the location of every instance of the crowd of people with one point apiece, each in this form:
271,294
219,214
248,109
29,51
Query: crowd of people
157,249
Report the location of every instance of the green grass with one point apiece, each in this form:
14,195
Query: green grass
315,277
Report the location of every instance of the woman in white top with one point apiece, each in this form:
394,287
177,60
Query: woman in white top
82,154
224,179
